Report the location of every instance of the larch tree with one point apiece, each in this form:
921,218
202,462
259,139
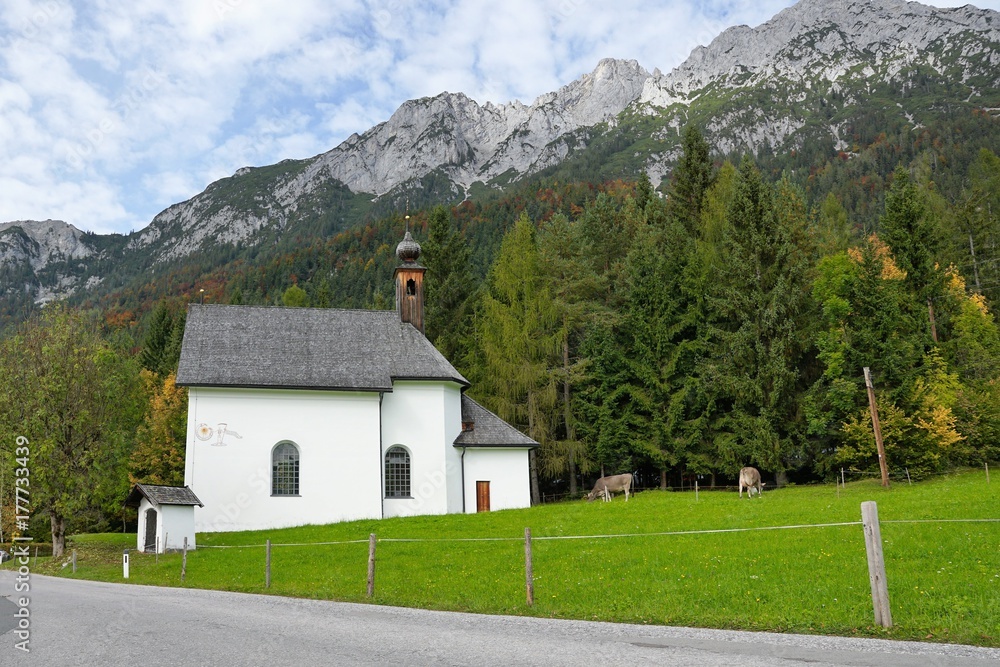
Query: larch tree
518,342
831,228
576,290
158,456
295,297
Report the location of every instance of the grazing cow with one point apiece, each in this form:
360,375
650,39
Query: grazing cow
750,478
610,485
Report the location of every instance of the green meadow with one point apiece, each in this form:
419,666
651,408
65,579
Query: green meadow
612,562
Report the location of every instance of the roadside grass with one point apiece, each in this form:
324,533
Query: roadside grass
943,577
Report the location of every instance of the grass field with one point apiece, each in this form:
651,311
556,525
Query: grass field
943,576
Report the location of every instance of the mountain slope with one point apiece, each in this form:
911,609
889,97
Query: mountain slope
822,80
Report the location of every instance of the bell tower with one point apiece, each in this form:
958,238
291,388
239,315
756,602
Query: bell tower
409,278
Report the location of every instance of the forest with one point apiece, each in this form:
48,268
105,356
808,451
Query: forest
722,319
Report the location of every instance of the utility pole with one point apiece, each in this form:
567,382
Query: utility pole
877,428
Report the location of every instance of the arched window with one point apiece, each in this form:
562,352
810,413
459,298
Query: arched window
285,470
397,473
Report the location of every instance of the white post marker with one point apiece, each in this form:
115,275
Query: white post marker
125,563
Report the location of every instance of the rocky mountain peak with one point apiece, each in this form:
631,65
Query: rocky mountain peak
804,79
39,242
474,142
822,39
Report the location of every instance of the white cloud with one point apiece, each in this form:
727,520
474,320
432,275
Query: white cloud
111,111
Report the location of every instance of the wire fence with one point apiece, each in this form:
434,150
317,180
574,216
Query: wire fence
869,523
542,538
697,482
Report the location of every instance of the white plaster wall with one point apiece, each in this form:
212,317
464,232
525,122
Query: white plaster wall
340,469
173,523
453,455
425,418
176,523
140,537
507,472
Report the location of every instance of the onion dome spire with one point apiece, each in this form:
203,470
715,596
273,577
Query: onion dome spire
408,250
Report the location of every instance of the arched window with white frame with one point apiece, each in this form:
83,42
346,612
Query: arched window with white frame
285,469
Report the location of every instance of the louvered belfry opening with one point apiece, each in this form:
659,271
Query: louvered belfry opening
409,277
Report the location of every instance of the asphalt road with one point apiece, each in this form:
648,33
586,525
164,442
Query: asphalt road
98,624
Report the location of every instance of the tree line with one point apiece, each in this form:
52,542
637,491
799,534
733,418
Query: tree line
728,324
719,322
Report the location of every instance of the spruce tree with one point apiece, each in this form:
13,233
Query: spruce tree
449,286
913,238
154,355
757,298
691,178
866,320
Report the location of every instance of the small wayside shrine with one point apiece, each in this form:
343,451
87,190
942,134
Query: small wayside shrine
166,517
318,415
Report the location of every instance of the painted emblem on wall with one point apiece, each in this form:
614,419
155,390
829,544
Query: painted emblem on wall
204,432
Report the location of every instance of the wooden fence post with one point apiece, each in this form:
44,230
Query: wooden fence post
267,564
876,564
987,472
529,575
696,490
184,559
74,561
371,565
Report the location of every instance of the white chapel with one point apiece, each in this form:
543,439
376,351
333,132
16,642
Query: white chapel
311,415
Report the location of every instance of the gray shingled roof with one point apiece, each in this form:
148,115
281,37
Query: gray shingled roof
305,348
162,495
488,430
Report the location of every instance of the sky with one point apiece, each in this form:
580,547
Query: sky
111,111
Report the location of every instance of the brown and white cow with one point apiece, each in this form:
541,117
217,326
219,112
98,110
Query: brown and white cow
610,485
750,478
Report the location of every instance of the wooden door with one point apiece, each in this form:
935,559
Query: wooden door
149,545
482,496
